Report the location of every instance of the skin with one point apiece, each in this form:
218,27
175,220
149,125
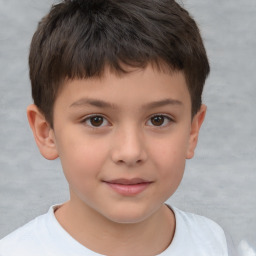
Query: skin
143,132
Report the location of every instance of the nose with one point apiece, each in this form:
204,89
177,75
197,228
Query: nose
128,147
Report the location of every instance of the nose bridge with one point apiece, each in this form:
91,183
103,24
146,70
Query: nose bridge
129,145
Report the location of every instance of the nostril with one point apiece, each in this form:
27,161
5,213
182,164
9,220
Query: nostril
129,161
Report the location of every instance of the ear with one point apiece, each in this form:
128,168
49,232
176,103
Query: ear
43,133
194,133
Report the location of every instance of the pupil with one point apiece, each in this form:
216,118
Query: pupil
157,120
96,121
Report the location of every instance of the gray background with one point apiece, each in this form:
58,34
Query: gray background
219,182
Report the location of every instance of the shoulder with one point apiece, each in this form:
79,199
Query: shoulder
198,223
42,236
27,236
200,235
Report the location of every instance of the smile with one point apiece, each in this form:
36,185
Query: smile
128,187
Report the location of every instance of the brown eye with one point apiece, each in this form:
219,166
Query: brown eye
157,120
96,121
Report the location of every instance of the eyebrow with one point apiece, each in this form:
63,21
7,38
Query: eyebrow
92,102
162,103
103,104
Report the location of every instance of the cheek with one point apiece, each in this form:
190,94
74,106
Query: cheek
169,156
170,150
82,159
170,166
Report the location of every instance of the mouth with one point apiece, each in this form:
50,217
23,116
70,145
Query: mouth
128,187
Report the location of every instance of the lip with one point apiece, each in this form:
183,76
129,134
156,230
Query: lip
128,187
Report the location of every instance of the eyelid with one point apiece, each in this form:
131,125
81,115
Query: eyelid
87,118
167,116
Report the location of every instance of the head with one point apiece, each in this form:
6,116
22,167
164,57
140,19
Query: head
80,38
117,89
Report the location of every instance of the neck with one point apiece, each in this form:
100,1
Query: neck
148,237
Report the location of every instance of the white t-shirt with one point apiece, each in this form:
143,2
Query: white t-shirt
44,236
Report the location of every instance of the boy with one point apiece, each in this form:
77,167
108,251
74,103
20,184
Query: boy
117,97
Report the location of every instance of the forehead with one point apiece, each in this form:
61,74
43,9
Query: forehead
137,85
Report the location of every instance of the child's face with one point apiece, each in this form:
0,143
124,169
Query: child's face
123,141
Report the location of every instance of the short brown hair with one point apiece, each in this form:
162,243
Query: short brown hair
79,38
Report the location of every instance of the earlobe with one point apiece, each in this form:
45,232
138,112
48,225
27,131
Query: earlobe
43,133
195,128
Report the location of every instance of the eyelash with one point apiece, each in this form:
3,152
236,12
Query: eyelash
89,119
166,118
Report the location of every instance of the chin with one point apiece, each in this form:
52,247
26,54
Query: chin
127,219
128,215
